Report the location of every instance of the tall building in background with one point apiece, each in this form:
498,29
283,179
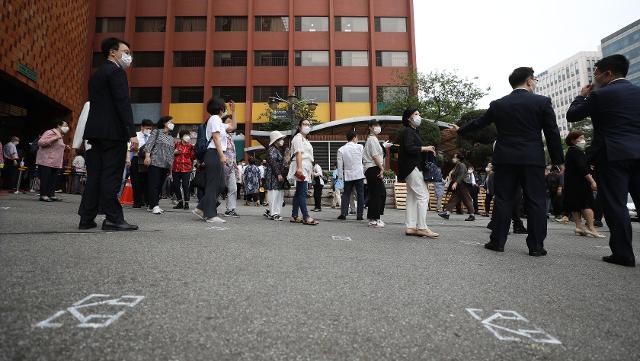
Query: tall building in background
563,81
626,41
345,55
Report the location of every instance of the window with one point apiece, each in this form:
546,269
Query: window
389,93
187,94
312,23
352,24
271,58
352,94
272,23
312,58
261,94
231,23
236,93
150,25
391,25
319,94
392,58
146,95
230,58
352,58
109,25
191,23
148,59
97,59
188,59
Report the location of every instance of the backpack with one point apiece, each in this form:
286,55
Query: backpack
201,142
432,173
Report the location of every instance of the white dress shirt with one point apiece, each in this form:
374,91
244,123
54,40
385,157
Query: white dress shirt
350,162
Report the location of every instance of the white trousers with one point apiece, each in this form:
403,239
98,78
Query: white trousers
417,201
275,199
232,187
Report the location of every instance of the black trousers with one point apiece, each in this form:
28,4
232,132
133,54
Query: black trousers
487,203
10,174
138,182
215,184
181,185
157,177
48,180
377,193
508,178
615,181
474,191
317,193
105,164
358,184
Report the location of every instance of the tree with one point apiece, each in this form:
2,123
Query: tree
275,121
585,126
476,146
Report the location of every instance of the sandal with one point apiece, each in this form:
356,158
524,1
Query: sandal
310,222
295,220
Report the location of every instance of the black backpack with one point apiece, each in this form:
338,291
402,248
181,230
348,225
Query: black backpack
201,142
432,173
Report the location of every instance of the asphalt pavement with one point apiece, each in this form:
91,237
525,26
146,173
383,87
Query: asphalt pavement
254,289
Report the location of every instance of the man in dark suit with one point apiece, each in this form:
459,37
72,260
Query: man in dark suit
519,157
109,127
613,104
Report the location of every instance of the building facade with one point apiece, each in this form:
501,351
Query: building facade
563,81
344,55
626,41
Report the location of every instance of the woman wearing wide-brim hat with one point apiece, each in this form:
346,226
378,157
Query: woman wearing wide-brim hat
275,175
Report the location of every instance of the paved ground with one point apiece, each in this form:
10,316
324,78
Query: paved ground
261,290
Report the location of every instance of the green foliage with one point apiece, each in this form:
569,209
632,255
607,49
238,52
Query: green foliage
302,111
476,146
585,126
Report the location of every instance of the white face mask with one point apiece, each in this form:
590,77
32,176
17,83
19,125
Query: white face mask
125,60
64,130
281,142
377,130
581,144
454,160
170,126
488,169
470,171
305,129
186,138
146,131
416,120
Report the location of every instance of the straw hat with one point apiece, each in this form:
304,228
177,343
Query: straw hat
275,136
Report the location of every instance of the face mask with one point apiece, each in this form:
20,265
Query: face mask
281,142
170,126
377,130
470,171
186,138
454,160
581,144
305,130
125,60
146,131
417,120
488,169
224,114
64,130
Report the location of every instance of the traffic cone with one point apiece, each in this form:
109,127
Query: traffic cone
127,194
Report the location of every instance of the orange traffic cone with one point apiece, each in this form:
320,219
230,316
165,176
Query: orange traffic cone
127,194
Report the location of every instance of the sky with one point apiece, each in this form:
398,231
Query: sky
487,39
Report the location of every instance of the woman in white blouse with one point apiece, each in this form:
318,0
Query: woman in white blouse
300,172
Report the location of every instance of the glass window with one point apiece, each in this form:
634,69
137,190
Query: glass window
261,94
389,93
392,58
352,94
191,23
187,94
148,59
150,25
146,95
312,58
312,23
230,58
319,94
352,24
188,58
231,23
271,58
352,58
391,25
272,23
236,93
109,25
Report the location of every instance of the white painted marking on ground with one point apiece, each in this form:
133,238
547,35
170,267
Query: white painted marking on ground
472,243
341,238
504,333
605,247
88,320
5,208
216,228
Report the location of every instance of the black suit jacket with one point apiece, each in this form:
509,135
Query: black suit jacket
110,115
520,119
615,112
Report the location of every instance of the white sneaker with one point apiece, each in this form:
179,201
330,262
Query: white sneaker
380,223
157,210
216,220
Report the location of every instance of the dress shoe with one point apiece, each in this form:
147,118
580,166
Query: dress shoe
186,205
492,246
471,218
520,230
444,215
539,253
598,224
178,206
490,225
341,217
87,225
359,218
124,226
614,260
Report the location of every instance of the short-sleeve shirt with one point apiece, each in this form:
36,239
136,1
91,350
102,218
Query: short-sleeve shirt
215,125
302,145
371,149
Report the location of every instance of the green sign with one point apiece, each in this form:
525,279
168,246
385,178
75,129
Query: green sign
26,71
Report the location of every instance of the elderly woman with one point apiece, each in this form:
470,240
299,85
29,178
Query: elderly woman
411,163
300,172
274,175
159,154
579,185
49,159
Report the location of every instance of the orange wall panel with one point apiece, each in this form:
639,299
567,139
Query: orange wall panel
145,77
111,8
229,40
311,8
190,7
189,41
270,75
399,8
312,75
147,42
188,77
230,8
392,41
351,7
271,41
389,75
271,7
311,40
230,76
151,8
352,41
352,75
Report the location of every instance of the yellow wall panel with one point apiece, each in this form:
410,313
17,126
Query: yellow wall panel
187,113
256,110
350,110
323,112
241,112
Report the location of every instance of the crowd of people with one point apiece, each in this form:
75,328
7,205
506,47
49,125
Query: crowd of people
586,182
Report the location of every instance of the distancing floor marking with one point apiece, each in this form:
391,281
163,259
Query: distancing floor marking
87,320
471,243
341,238
4,208
497,320
605,247
216,228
